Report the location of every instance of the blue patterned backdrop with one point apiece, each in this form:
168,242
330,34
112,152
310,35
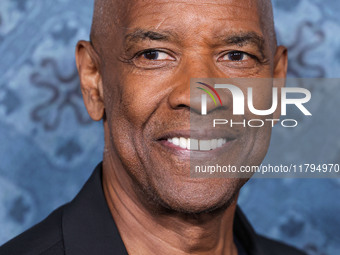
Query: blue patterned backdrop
49,146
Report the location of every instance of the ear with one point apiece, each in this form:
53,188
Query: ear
280,62
279,75
87,62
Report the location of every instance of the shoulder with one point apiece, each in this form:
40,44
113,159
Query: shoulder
45,238
277,248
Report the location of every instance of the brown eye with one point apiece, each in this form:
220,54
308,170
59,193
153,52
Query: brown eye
151,55
153,58
237,59
155,55
236,56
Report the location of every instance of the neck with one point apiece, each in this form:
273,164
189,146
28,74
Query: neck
163,230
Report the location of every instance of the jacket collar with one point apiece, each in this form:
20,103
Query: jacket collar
245,233
88,226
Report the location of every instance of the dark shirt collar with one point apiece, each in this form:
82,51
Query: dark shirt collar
245,234
88,226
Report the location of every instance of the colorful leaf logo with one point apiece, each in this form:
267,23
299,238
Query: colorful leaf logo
209,93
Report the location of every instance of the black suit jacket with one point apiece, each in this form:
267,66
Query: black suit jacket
85,227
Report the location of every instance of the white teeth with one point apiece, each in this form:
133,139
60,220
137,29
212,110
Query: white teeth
205,145
219,142
194,144
213,144
183,143
175,141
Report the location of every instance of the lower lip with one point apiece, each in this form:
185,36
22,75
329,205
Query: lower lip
195,153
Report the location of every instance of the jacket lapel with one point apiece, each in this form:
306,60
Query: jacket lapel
88,227
246,234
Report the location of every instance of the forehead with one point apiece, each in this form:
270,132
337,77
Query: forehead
192,17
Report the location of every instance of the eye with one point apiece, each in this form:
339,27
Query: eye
156,55
153,59
235,56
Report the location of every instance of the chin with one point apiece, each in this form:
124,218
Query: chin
207,196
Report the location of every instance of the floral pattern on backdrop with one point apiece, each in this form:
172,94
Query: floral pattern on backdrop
49,146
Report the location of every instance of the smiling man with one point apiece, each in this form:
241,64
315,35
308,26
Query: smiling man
135,75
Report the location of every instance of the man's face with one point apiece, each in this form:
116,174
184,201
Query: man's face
146,66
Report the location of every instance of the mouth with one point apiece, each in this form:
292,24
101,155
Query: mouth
196,141
197,144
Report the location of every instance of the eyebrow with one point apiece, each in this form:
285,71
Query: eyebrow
245,38
240,39
141,34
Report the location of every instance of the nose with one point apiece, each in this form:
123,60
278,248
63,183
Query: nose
189,77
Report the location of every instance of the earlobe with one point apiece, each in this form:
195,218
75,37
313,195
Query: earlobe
90,79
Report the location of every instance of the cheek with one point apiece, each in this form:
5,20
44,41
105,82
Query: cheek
260,133
260,146
131,100
139,96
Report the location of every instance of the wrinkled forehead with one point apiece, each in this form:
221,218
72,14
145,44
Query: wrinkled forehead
184,18
191,13
108,13
127,11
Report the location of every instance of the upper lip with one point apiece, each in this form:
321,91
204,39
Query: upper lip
202,134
